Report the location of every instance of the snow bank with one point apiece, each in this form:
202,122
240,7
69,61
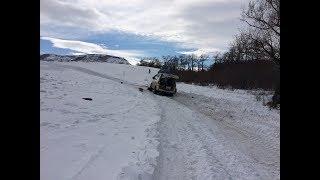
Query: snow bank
111,137
246,97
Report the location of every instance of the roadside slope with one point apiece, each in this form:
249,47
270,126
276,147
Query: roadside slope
99,139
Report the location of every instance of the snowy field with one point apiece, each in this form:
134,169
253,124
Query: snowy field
201,133
95,139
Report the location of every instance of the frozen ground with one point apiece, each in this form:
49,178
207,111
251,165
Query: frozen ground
95,139
201,133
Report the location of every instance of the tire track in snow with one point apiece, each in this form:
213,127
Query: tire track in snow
91,159
251,134
182,154
260,150
171,162
201,150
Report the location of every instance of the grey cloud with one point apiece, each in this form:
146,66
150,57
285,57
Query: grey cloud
67,13
218,21
195,24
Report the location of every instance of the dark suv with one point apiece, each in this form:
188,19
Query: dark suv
164,83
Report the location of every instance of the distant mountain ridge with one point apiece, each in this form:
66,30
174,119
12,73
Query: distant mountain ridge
84,58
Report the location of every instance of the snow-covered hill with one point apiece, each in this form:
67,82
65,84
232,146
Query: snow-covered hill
123,133
84,58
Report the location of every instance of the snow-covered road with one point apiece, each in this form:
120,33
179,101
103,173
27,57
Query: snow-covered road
197,145
201,133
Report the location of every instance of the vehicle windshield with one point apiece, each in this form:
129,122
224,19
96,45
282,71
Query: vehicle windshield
167,81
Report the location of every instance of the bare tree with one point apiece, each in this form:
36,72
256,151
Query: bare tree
166,59
263,18
193,59
183,61
202,59
217,58
189,61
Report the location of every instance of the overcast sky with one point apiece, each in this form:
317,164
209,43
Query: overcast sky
138,28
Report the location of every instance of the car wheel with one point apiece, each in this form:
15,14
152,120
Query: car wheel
155,91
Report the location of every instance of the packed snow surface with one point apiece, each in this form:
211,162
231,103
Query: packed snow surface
124,133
